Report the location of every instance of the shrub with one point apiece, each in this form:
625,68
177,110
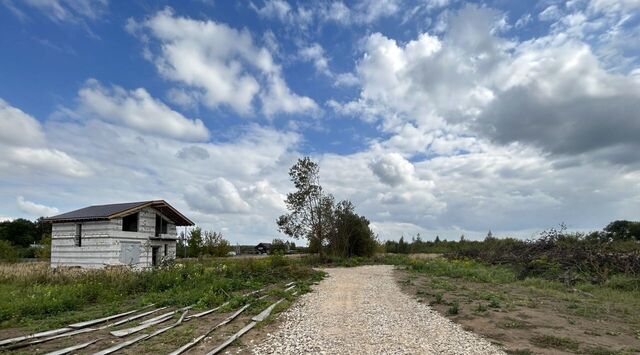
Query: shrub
8,252
453,309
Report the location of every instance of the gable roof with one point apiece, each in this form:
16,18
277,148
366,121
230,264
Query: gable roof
102,212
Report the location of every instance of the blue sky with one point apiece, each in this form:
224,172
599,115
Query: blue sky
434,117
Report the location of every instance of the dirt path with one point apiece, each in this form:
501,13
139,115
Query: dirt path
363,311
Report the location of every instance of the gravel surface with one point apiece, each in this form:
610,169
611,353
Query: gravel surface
363,311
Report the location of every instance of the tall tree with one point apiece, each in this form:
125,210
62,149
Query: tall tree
309,209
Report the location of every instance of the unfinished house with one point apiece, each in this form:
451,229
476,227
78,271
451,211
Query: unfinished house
138,234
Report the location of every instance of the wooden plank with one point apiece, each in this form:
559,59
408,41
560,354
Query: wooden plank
264,314
152,320
34,336
290,288
201,314
129,331
81,331
120,322
233,338
39,341
121,345
72,348
196,340
100,320
141,337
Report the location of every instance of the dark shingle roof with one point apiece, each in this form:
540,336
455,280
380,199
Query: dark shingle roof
99,212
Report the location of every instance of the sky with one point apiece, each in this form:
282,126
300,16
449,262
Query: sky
437,117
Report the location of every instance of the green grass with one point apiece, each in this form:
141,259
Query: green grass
39,297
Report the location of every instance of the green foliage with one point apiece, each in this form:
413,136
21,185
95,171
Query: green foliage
195,242
19,232
453,309
8,252
329,227
43,251
278,246
214,244
554,255
30,291
622,230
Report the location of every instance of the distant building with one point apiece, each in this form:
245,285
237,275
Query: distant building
139,234
263,248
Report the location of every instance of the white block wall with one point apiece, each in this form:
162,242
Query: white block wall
101,242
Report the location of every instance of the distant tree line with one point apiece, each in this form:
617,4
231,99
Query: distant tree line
554,254
22,238
200,243
330,227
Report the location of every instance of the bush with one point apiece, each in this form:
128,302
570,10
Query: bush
8,252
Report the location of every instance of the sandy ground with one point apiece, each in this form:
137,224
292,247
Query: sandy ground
363,311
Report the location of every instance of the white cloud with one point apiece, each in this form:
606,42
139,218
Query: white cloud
346,79
39,161
137,109
550,92
392,169
24,147
217,196
220,63
315,53
65,10
523,21
551,13
279,9
35,209
18,128
362,12
368,11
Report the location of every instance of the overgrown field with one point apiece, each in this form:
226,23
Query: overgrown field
529,315
36,297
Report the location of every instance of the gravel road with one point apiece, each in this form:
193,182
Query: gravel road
363,311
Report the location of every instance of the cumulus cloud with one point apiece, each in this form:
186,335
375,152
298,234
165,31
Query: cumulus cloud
219,62
551,92
392,169
35,209
18,128
315,53
362,12
217,196
24,147
137,109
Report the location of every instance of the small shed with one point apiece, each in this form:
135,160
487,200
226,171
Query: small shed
139,234
263,248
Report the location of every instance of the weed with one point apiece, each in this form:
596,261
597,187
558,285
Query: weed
438,298
510,323
40,296
494,303
453,309
480,308
550,341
